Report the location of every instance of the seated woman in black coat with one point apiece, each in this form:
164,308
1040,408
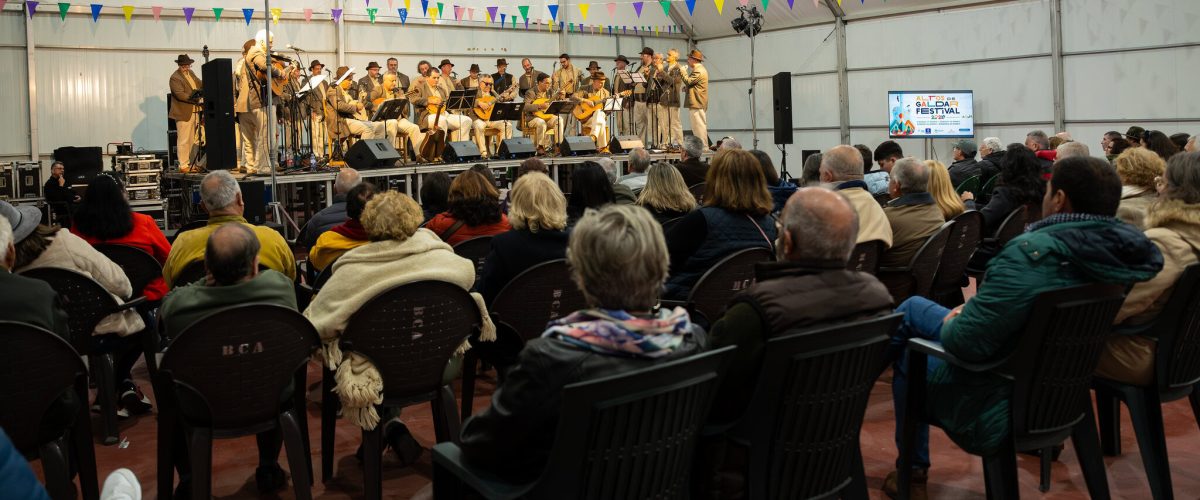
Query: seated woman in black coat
538,214
1020,185
619,260
590,188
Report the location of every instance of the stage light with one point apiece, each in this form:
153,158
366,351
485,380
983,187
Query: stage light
750,22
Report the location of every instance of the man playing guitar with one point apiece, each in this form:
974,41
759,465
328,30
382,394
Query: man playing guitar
590,109
485,103
401,128
342,109
428,95
537,100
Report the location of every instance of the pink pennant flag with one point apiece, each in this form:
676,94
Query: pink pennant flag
743,3
307,15
458,13
470,14
390,4
2,2
612,9
157,12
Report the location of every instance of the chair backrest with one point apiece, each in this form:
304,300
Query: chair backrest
1178,331
190,274
409,333
965,233
31,381
85,301
865,257
670,223
476,249
1056,355
697,190
985,192
970,184
196,224
924,265
717,286
632,435
140,267
239,360
804,419
535,297
1012,226
323,277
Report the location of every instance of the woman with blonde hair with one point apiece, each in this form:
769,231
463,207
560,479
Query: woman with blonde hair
1137,167
537,211
665,195
943,191
735,216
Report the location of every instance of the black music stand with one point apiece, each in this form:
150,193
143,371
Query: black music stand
391,109
507,111
461,100
561,109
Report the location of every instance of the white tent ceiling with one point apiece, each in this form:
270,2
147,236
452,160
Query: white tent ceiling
707,22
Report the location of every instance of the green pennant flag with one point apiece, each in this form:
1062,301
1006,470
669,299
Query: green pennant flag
63,7
765,4
371,12
441,9
217,12
524,12
666,5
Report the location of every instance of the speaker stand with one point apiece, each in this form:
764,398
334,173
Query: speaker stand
783,173
279,214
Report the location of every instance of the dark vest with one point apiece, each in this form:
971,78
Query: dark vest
728,232
797,295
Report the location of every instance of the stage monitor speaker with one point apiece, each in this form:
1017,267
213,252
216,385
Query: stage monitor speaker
781,84
372,153
461,152
220,147
577,145
80,164
517,147
254,195
622,144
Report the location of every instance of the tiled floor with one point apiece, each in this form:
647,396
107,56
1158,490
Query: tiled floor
954,475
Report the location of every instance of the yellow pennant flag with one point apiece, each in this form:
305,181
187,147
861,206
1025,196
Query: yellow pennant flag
433,15
275,13
583,10
720,5
128,9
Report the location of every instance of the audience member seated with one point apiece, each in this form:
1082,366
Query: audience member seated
398,253
473,210
435,189
735,216
693,169
1138,169
868,157
1020,184
666,196
528,165
1193,144
1115,148
618,259
991,154
590,188
345,236
840,167
810,173
1173,225
1038,142
332,215
948,201
1160,144
1071,149
965,166
232,278
221,196
622,194
779,188
913,213
639,162
886,155
538,214
104,217
729,143
1080,241
1181,140
1134,136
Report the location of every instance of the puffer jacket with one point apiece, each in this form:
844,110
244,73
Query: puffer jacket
973,408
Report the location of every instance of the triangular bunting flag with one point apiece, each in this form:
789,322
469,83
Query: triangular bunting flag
433,14
637,8
403,15
371,13
187,13
470,14
502,16
612,9
743,3
691,5
491,13
816,3
157,11
96,11
368,3
407,5
440,10
583,10
217,12
524,9
248,13
720,5
765,5
128,10
389,4
63,7
31,7
2,2
425,8
666,5
276,13
307,15
791,3
457,13
656,31
336,15
553,12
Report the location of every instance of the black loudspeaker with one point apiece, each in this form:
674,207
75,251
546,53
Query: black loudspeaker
254,196
80,164
517,147
622,144
781,85
577,145
460,152
220,148
372,153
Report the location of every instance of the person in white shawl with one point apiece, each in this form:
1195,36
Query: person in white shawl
399,253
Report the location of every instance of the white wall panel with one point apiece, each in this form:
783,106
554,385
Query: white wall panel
14,87
1005,91
173,34
801,50
1008,29
1133,85
1115,24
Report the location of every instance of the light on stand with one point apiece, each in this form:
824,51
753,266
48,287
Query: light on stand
750,23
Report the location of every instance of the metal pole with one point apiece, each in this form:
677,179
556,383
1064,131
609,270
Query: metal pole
270,112
1056,65
843,82
31,74
753,98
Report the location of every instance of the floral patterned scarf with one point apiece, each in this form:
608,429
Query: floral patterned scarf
620,333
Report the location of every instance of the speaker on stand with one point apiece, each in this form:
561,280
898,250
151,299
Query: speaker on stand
781,86
220,146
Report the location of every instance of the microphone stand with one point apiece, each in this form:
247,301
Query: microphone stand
652,122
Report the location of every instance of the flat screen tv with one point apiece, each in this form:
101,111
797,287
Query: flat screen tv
931,114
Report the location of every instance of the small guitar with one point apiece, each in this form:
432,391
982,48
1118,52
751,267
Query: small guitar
279,74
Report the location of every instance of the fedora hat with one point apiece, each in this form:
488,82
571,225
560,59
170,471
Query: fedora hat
696,54
372,65
621,59
474,67
593,65
23,219
342,70
314,64
598,77
183,59
501,62
445,62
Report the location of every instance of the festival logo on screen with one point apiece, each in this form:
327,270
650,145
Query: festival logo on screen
930,114
937,106
900,126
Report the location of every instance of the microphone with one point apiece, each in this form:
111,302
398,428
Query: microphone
295,48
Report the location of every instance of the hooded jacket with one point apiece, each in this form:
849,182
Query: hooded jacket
973,408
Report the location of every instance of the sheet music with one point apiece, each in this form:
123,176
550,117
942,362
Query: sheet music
613,104
312,84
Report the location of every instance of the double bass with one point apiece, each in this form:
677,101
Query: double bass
435,141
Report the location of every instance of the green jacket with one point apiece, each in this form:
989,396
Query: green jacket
30,301
185,305
973,408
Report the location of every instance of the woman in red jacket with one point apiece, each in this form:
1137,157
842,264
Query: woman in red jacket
104,217
474,210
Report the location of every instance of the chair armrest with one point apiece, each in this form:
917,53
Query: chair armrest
897,270
448,456
937,350
132,303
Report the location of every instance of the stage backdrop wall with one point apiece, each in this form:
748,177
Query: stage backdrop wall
1125,62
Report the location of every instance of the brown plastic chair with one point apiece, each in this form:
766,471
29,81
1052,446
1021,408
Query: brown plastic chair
476,249
865,257
697,191
710,296
960,245
190,273
140,267
46,368
916,279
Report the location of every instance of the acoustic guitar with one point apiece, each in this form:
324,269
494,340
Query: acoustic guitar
435,141
484,105
584,109
279,74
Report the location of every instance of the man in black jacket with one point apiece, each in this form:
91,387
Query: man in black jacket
332,215
693,169
59,194
964,166
991,153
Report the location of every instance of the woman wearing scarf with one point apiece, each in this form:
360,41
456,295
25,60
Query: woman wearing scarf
345,236
619,260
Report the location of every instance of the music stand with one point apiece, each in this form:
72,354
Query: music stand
507,111
460,100
390,109
560,107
